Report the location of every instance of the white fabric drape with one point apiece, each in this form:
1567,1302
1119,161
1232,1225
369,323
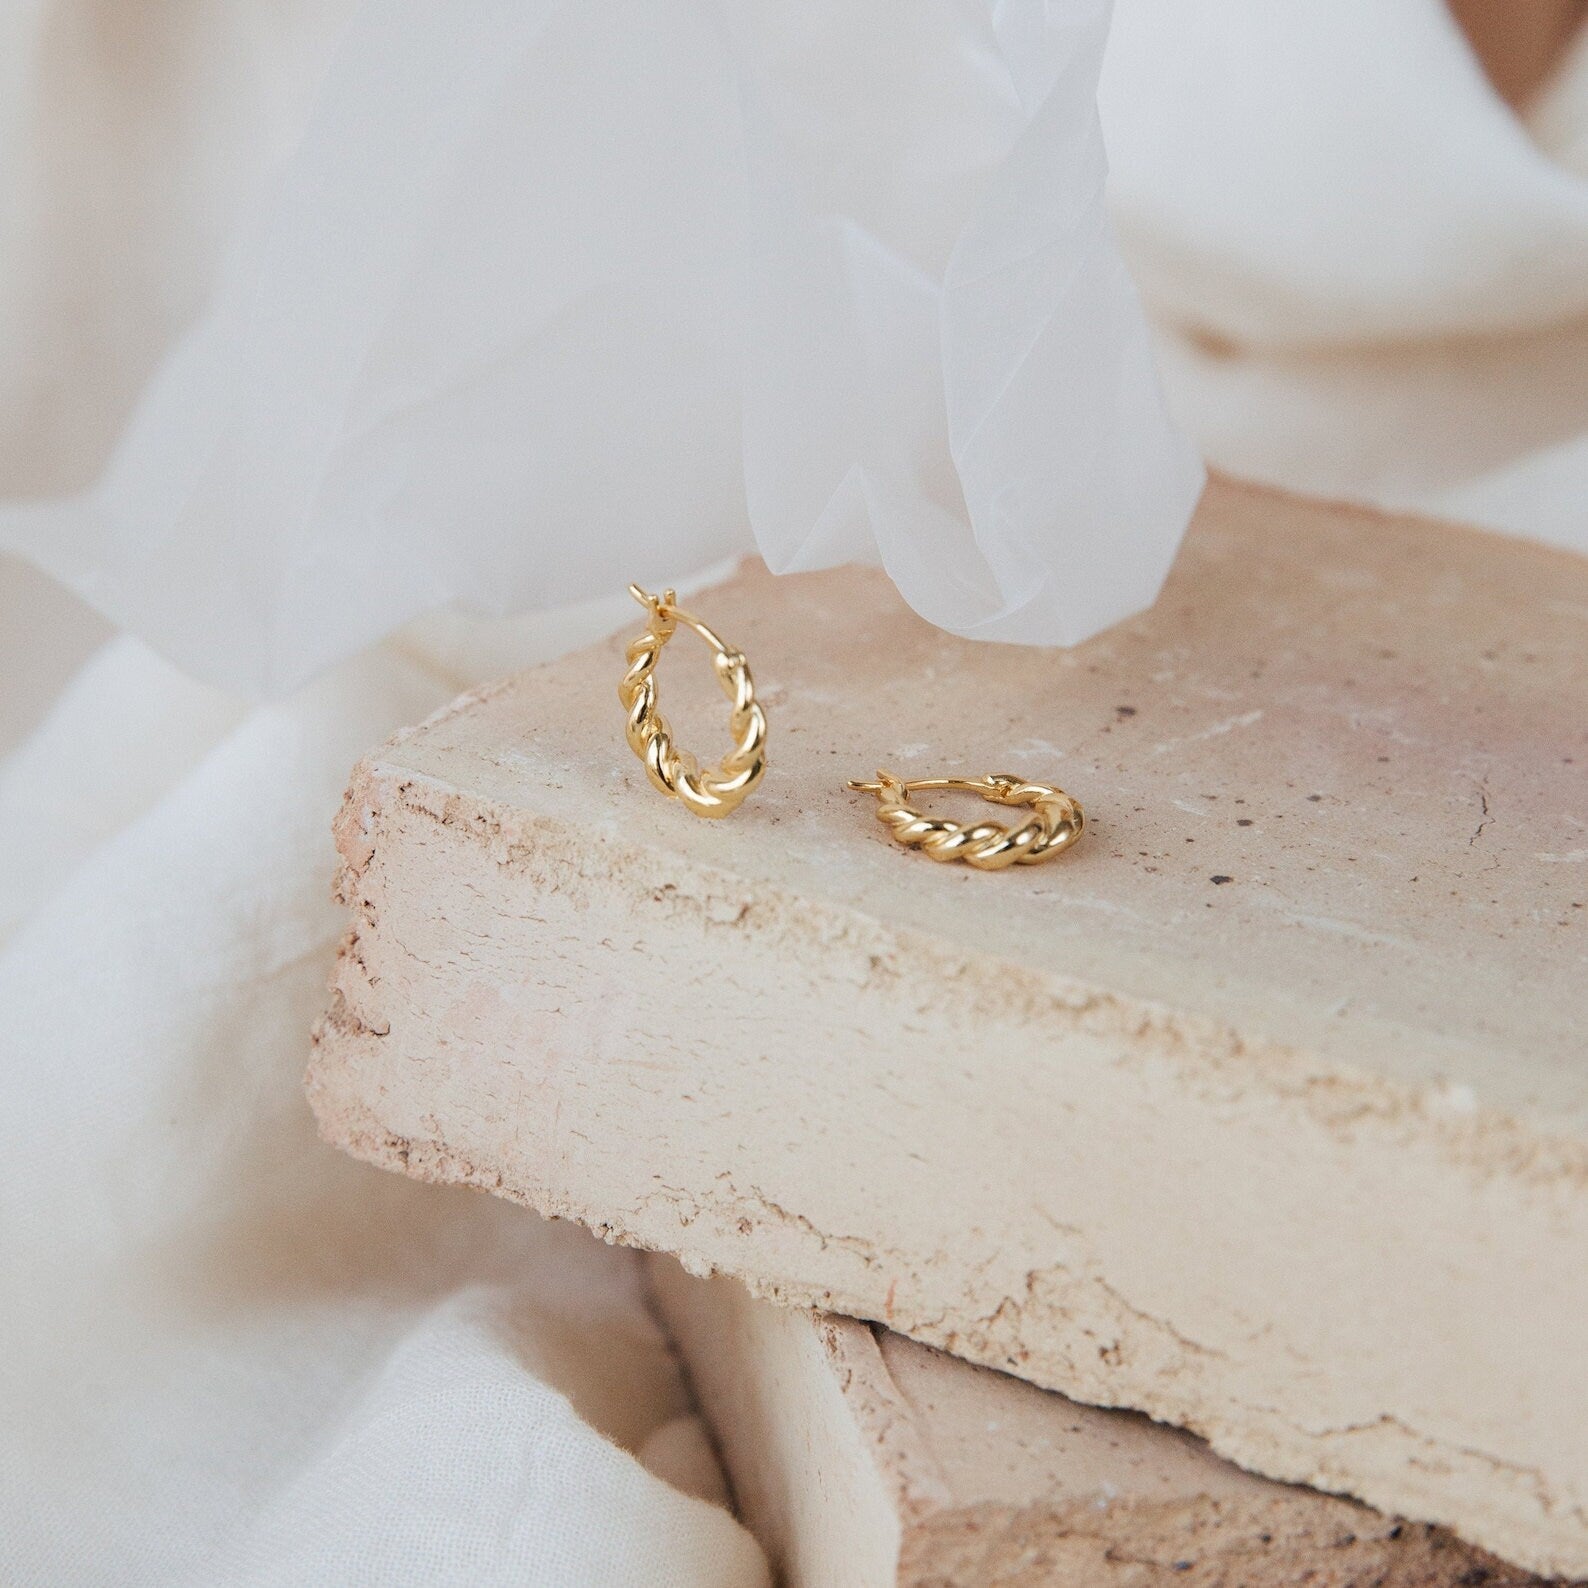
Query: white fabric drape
1371,277
227,1354
517,301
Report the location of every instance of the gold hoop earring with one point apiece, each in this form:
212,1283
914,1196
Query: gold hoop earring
1056,823
676,772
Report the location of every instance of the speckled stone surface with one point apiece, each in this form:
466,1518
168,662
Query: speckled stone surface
861,1459
1264,1111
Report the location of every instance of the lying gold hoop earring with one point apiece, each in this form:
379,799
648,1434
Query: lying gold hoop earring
676,772
1055,825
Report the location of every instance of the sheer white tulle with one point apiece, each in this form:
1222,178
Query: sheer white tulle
516,301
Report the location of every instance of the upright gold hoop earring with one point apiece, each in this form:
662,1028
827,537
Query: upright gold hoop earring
1056,821
676,772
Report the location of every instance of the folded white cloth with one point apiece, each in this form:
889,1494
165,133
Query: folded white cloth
228,1354
1371,276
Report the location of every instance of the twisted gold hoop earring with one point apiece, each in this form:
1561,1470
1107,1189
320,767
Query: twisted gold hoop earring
676,772
1056,823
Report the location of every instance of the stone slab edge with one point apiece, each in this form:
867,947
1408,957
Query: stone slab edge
1508,1507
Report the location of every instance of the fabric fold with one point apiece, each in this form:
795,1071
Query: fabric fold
520,304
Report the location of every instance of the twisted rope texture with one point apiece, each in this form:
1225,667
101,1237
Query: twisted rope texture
677,773
1055,823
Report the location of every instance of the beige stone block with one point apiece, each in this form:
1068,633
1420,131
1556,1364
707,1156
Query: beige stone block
1264,1111
862,1459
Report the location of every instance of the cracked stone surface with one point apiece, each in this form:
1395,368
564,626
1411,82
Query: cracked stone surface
1264,1111
861,1459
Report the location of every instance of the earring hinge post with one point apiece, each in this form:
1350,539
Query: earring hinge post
970,785
665,610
